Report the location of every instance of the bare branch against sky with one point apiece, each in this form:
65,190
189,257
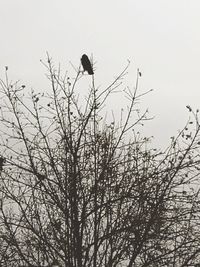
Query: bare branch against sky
162,38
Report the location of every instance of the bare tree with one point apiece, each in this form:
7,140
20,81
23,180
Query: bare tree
78,191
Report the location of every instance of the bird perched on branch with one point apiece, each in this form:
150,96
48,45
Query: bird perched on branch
2,161
86,64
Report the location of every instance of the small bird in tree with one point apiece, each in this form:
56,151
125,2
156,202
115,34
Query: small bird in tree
2,161
86,64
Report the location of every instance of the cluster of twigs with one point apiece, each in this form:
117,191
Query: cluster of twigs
76,191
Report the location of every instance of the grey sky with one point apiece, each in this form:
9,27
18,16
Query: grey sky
161,37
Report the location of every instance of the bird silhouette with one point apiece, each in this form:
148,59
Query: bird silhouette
2,161
86,64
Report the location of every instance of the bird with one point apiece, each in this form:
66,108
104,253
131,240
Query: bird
2,161
86,64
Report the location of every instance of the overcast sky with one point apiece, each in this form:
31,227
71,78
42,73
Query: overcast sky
161,37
